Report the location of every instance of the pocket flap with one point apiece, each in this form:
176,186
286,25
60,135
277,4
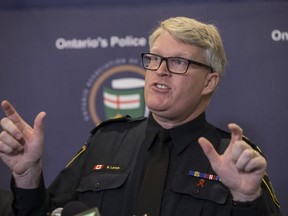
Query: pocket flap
200,188
102,181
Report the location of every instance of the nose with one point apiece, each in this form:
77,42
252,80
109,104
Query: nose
163,69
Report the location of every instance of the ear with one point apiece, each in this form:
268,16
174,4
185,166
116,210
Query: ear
211,83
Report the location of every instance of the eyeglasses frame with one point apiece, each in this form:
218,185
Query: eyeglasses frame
167,58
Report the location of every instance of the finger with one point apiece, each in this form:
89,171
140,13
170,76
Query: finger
39,123
209,151
244,159
250,160
12,114
11,128
6,149
256,163
237,149
236,132
7,140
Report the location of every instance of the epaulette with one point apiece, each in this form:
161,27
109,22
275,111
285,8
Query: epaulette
125,118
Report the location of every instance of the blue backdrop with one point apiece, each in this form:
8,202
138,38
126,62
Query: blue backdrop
62,60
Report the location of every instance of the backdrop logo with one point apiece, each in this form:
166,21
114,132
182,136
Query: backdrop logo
114,89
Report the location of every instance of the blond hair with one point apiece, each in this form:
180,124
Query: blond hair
193,32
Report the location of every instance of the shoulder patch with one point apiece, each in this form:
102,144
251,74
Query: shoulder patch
125,118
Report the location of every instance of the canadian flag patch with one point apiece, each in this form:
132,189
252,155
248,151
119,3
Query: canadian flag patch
98,167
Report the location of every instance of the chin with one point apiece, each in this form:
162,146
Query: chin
156,108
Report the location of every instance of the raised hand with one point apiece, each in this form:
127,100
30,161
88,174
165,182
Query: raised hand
21,146
240,167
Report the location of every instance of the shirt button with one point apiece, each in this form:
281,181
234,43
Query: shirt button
97,184
196,191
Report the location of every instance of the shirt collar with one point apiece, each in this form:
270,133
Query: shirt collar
189,132
181,136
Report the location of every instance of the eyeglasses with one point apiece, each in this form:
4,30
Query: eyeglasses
175,65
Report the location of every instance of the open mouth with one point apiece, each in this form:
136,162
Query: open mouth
161,86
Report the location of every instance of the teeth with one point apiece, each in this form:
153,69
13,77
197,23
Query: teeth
161,86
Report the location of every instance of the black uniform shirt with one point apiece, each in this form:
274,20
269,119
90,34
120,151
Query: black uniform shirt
107,173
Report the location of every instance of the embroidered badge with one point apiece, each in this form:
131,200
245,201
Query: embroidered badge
201,183
98,167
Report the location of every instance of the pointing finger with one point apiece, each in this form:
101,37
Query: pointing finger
12,114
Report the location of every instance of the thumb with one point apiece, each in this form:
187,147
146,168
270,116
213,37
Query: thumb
39,123
209,151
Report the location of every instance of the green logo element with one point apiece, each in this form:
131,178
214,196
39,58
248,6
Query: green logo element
125,97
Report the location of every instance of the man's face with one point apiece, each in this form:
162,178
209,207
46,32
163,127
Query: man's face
176,98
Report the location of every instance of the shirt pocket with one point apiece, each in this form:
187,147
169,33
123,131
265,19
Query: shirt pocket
93,186
199,188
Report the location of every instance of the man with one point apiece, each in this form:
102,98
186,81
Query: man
210,172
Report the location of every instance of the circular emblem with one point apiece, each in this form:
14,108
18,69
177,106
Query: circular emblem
115,90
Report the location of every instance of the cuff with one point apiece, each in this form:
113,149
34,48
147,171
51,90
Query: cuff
250,208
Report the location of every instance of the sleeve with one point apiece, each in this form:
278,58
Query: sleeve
5,203
28,201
